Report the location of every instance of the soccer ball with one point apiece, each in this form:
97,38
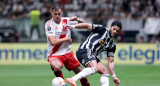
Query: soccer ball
58,81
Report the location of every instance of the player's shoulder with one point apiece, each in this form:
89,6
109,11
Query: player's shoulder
97,25
48,22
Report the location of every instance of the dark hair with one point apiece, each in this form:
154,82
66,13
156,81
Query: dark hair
56,7
117,23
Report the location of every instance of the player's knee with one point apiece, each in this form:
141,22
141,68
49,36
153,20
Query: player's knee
104,79
103,71
57,68
94,65
95,68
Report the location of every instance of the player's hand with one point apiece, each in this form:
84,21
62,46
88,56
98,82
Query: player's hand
116,81
69,27
69,40
74,18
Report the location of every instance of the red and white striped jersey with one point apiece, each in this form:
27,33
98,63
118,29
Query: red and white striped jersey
60,31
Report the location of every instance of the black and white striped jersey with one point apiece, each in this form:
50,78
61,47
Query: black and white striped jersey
99,40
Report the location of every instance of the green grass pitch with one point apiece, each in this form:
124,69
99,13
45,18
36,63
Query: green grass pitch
41,75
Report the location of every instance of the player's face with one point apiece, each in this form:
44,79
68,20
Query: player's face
57,14
114,31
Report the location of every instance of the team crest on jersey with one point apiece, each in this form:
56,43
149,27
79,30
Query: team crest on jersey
101,42
49,28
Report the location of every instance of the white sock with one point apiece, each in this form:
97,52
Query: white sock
85,72
104,79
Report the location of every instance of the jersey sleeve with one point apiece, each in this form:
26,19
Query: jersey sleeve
49,31
98,28
110,52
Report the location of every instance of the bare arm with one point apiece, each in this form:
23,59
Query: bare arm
112,70
111,65
75,18
54,41
80,20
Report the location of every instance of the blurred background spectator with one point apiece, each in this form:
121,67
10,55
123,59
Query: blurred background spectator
35,20
136,16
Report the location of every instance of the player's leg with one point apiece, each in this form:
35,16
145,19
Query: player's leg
104,79
89,70
57,73
56,65
72,63
84,81
89,61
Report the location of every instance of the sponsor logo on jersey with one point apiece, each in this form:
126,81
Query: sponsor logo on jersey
59,33
101,42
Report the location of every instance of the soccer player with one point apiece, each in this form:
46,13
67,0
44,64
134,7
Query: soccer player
59,43
101,39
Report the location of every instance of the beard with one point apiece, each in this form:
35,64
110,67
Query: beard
110,34
57,20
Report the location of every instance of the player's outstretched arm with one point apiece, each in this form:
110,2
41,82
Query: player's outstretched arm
112,70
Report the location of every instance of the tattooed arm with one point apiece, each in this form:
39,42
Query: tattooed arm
112,71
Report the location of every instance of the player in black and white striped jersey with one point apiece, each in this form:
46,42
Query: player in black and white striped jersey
101,39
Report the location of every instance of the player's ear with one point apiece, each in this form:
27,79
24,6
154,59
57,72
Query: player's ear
62,12
110,27
50,10
51,13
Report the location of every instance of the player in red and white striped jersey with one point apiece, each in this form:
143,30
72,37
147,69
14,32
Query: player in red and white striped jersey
59,43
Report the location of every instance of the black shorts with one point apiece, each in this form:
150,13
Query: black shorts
84,56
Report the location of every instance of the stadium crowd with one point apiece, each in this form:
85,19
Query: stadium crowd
93,11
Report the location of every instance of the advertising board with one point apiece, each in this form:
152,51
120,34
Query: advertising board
36,53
